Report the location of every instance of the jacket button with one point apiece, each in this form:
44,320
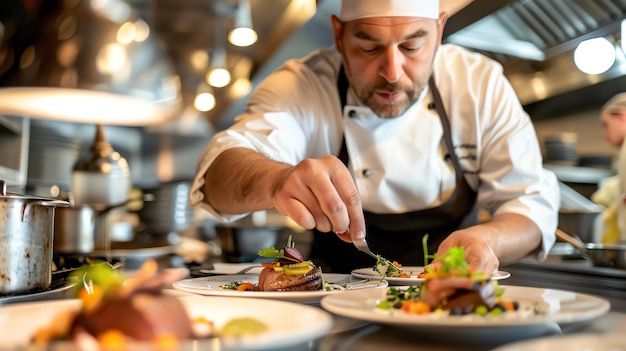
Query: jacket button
366,173
352,113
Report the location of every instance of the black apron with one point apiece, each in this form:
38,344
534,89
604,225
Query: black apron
398,236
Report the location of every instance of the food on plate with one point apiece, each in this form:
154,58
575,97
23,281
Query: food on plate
452,289
289,271
386,268
117,309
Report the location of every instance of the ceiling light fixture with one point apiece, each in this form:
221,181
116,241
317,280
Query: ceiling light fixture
86,62
205,99
218,76
594,56
243,34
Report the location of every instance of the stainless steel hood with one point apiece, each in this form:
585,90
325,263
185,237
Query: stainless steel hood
534,40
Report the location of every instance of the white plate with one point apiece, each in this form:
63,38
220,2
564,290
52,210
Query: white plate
578,342
557,306
213,286
288,324
413,271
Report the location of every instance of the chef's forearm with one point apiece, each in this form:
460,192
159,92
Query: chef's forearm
513,236
240,181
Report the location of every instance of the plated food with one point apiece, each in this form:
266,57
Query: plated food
538,310
116,309
288,272
288,325
226,285
287,276
415,275
452,289
455,296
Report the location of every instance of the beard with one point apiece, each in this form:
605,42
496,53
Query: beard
390,109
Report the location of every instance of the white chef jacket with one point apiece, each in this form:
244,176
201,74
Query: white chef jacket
398,164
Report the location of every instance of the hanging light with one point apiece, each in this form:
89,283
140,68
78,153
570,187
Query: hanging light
205,99
218,76
243,34
594,56
91,61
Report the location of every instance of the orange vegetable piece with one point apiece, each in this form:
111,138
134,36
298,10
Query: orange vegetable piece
245,287
507,304
166,341
395,263
92,298
419,307
112,339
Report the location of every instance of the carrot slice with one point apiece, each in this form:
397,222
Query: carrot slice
245,287
419,307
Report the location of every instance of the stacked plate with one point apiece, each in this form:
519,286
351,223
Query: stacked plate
561,149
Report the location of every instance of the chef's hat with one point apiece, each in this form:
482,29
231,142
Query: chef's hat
356,9
617,102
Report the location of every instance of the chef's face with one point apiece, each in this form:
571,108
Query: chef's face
388,60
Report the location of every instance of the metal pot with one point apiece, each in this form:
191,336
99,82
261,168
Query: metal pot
600,255
26,239
83,229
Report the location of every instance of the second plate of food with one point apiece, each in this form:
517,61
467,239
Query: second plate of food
225,285
412,271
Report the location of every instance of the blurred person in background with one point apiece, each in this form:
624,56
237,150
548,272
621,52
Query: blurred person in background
611,190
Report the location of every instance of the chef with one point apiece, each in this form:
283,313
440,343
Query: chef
611,191
388,136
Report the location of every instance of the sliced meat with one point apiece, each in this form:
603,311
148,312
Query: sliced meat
142,316
463,293
270,280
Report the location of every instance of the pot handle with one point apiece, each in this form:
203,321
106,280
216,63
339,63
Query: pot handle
47,203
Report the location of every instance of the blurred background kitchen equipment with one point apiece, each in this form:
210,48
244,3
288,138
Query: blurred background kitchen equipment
241,244
561,149
166,210
578,215
600,255
241,240
26,239
84,228
50,161
101,179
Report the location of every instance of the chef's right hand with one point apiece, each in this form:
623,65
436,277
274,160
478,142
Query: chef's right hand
320,193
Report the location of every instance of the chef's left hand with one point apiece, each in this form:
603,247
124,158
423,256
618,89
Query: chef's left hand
478,251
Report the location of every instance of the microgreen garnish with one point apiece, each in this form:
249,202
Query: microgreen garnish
272,252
